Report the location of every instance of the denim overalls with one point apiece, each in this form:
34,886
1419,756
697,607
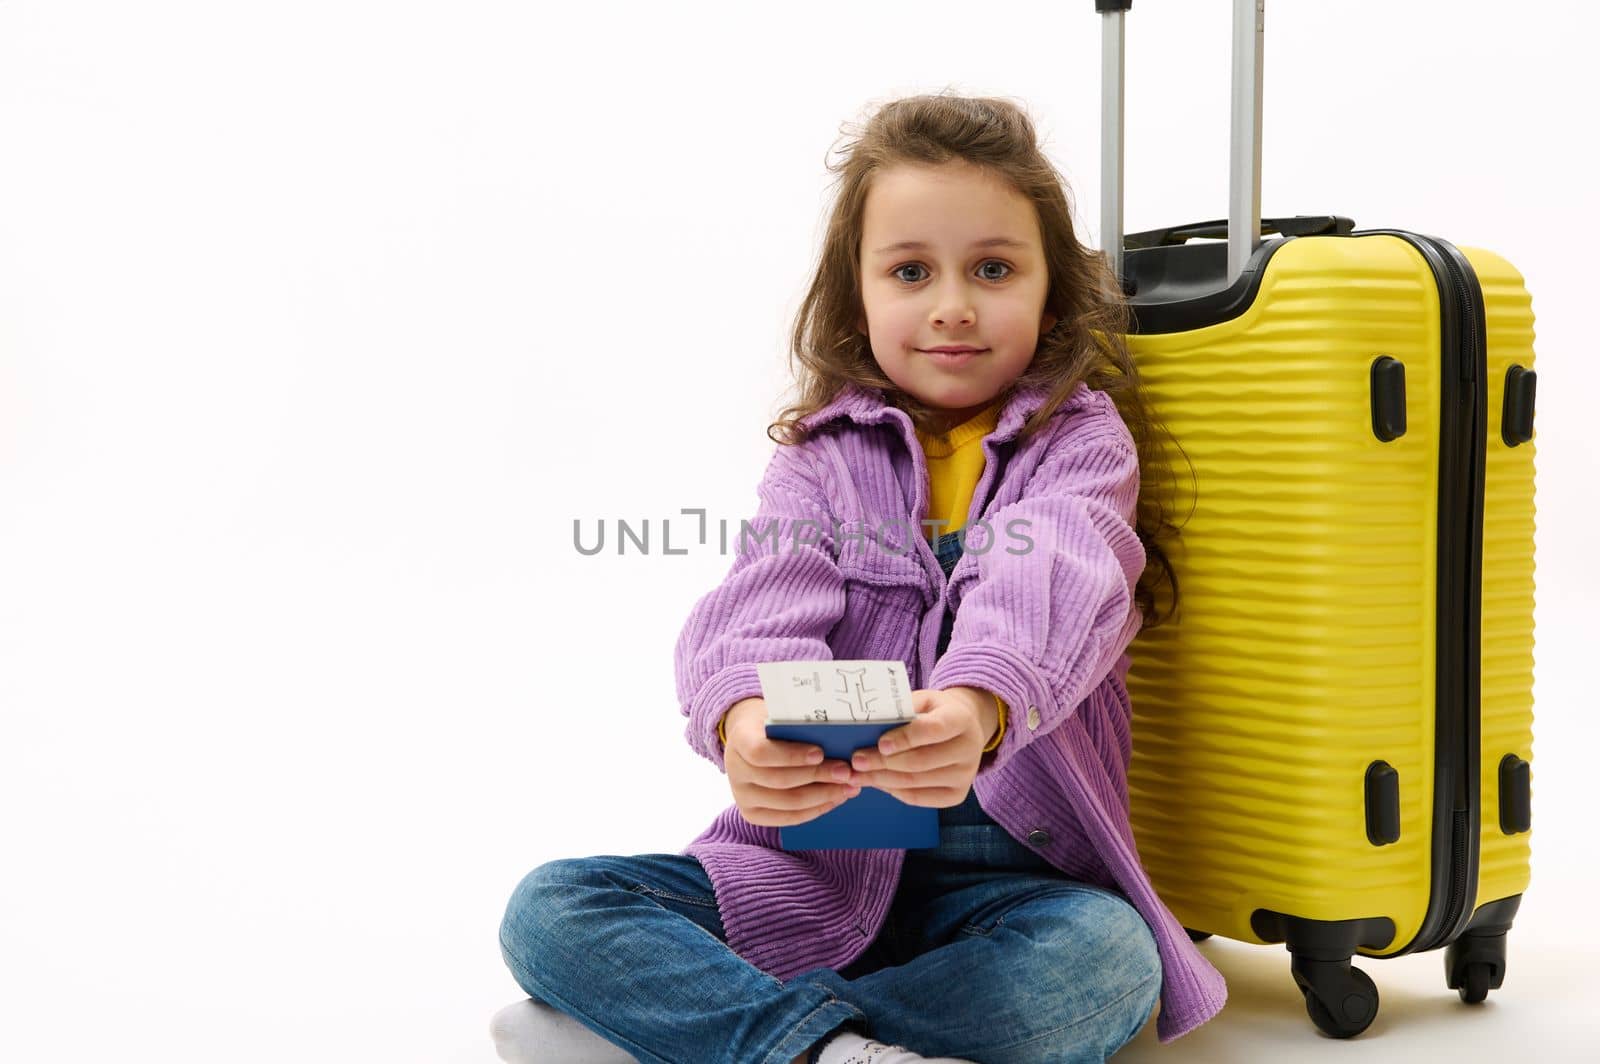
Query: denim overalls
992,847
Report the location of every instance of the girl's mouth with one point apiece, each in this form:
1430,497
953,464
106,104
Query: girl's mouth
953,359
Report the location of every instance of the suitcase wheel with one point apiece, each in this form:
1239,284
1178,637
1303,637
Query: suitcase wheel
1476,985
1475,964
1341,1000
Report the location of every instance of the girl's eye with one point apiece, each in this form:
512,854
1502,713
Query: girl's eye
987,262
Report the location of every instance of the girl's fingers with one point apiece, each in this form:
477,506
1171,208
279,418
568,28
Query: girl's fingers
935,797
777,818
780,753
789,799
791,776
902,769
923,759
812,814
902,781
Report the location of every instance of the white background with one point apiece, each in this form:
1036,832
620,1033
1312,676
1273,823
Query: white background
321,323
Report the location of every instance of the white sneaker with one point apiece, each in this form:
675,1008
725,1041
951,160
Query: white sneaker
531,1032
848,1047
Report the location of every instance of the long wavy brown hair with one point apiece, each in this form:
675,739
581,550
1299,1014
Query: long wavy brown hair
1085,344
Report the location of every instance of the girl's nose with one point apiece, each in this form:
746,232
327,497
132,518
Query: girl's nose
960,317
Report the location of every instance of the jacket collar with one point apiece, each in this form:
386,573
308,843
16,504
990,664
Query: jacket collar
867,406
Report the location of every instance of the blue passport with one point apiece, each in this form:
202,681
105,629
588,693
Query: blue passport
872,819
842,707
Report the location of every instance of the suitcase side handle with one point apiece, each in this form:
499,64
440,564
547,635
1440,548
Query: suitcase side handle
1244,166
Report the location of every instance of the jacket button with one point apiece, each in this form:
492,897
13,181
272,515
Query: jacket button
1039,837
1033,717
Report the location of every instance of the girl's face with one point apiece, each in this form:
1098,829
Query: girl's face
976,279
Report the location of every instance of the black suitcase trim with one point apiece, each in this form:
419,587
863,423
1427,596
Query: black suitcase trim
1463,396
1173,288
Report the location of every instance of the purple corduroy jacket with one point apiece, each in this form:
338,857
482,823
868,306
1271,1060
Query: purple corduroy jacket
835,566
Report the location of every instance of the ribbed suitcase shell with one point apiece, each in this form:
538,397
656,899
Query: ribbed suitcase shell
1304,648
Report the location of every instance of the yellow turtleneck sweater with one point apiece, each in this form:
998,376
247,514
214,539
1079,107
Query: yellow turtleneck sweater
955,462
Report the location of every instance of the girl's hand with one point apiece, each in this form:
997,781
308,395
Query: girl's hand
774,783
932,760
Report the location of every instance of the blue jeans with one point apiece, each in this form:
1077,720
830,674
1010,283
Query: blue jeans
988,952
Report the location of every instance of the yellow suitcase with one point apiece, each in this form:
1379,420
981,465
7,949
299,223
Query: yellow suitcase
1332,740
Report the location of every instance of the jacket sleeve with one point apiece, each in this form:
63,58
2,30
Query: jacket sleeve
1051,608
782,597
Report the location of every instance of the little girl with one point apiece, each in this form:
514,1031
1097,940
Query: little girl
959,364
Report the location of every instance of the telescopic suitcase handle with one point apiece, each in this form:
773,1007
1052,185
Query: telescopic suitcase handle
1244,167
